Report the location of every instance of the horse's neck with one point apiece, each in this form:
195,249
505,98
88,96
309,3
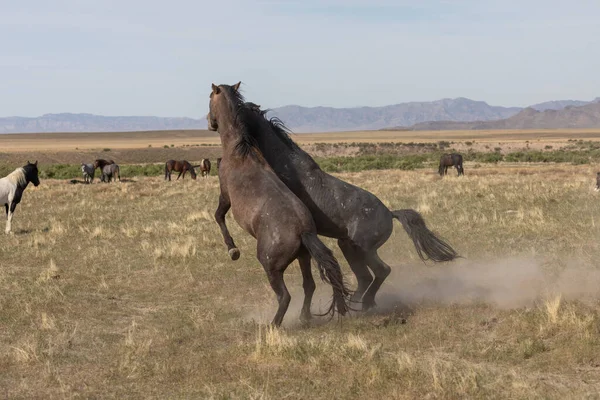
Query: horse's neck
278,153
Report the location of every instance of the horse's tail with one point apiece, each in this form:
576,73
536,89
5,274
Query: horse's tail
330,272
429,246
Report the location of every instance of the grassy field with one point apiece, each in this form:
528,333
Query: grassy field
126,291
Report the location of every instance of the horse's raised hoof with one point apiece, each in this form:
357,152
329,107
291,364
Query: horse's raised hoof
234,253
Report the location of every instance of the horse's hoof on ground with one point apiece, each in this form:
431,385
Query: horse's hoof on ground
369,306
305,320
234,253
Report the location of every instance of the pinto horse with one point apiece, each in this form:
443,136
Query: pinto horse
267,209
205,167
179,166
449,160
88,171
12,187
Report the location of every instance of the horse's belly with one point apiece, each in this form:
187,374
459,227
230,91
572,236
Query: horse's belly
4,196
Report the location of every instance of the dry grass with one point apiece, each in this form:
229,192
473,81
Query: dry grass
126,291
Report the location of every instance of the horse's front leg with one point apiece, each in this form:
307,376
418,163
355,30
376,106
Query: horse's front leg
10,213
179,176
224,206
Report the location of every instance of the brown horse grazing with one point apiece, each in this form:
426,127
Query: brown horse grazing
100,163
205,167
179,166
267,209
449,160
354,216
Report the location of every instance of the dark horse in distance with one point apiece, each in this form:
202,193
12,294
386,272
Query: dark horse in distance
449,160
179,166
100,163
264,207
356,217
110,172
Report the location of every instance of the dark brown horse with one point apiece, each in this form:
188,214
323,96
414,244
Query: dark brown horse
179,166
357,218
449,160
205,167
100,163
267,209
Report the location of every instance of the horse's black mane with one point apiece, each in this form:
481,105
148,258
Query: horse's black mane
282,131
247,144
247,118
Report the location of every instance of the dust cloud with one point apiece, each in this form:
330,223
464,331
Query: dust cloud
503,283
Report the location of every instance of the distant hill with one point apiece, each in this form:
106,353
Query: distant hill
560,104
323,119
440,114
583,117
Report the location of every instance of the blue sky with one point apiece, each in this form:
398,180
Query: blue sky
147,57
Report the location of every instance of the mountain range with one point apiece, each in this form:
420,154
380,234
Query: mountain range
570,117
412,115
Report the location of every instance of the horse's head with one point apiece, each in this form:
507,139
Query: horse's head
193,172
219,104
31,173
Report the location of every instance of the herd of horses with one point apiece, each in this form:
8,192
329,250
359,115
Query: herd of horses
281,197
110,171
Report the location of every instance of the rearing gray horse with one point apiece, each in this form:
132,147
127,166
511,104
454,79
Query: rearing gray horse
356,217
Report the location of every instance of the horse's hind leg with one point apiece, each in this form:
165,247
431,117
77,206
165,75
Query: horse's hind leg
308,284
356,259
381,271
283,296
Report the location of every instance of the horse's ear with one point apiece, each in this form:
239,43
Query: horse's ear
35,163
215,89
236,87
